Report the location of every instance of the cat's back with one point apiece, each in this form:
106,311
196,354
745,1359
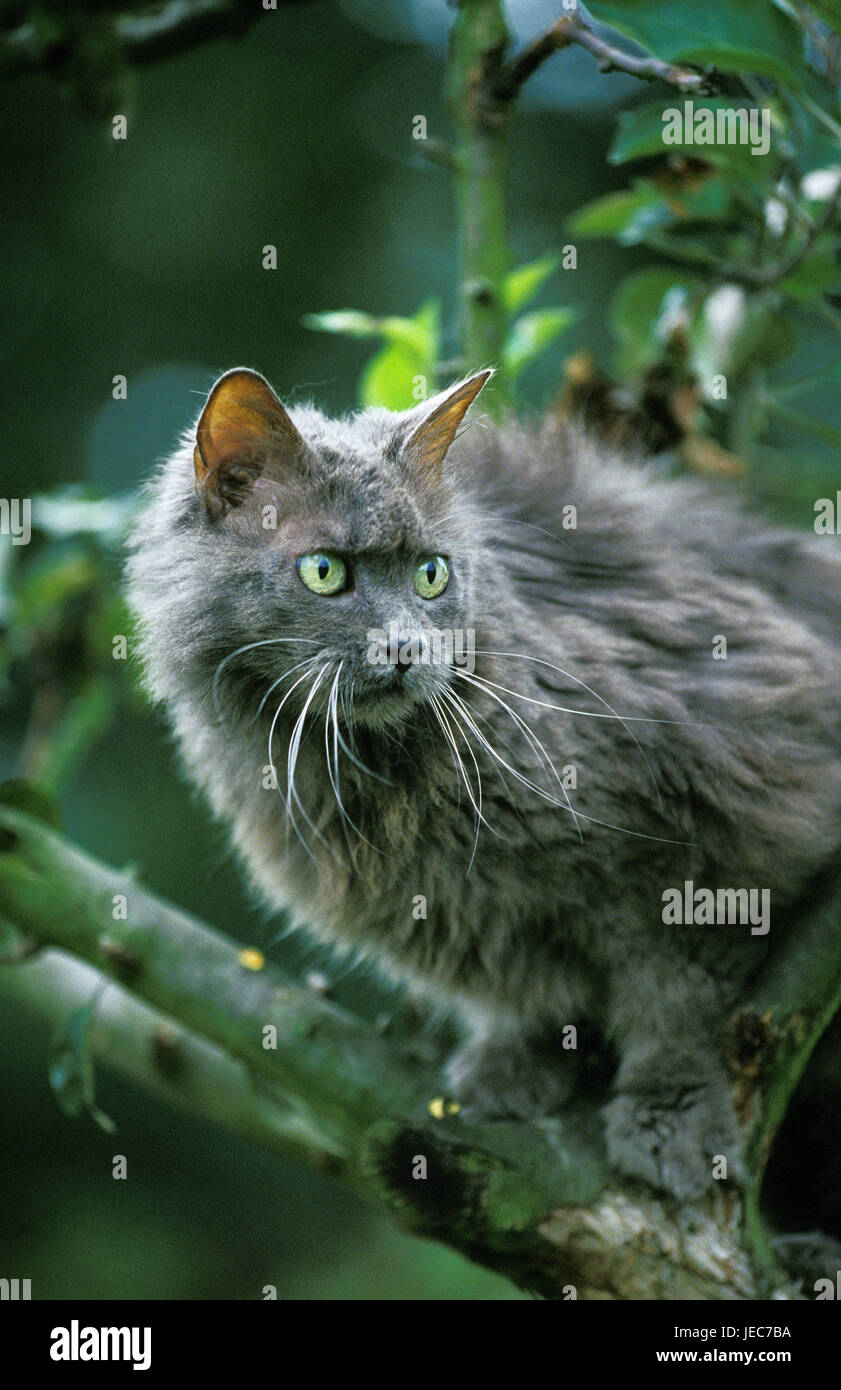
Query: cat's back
716,632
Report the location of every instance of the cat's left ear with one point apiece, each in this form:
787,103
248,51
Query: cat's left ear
437,421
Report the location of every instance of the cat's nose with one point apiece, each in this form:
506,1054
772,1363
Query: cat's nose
402,654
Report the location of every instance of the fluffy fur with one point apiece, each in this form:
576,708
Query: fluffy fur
539,913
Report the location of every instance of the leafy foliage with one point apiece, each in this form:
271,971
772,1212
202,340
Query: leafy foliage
62,609
745,245
409,365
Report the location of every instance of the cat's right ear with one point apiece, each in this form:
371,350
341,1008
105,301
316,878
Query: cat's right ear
244,434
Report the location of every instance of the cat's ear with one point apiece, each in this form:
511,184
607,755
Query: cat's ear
437,421
244,433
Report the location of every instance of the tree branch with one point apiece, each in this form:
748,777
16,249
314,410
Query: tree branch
144,32
171,1063
766,277
532,1201
572,29
762,277
478,43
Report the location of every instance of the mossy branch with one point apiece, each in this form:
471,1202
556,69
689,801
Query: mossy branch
186,1015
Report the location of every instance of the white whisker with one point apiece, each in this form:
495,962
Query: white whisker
480,818
306,662
291,761
577,815
612,712
537,747
331,720
249,646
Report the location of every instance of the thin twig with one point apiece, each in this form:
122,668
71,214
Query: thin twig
764,277
751,277
572,29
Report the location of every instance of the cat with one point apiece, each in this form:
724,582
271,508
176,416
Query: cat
652,707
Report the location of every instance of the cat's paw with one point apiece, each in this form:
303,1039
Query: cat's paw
673,1138
505,1079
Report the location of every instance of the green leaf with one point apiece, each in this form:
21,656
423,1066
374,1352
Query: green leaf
640,132
830,9
71,1068
66,512
31,800
817,274
642,312
419,333
412,350
637,214
531,335
57,577
522,284
390,378
352,323
626,215
748,36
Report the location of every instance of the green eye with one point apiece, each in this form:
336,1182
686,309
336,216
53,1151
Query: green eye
322,572
432,576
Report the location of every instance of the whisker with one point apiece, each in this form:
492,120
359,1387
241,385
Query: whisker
468,784
333,771
537,747
291,761
249,647
569,676
445,725
426,708
480,818
577,815
349,750
593,714
289,692
306,662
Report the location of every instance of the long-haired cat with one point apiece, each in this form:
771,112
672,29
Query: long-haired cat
505,714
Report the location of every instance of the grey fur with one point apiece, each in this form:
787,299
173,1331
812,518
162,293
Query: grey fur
552,920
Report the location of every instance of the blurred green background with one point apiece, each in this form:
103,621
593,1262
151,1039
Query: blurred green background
143,257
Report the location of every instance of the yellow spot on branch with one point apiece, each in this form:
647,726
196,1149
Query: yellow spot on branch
251,959
440,1106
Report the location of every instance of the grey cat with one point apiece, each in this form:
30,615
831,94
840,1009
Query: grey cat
653,701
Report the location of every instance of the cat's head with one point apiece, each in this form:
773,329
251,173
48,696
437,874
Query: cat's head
340,553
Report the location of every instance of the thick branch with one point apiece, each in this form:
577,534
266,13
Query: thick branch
572,29
531,1201
171,1063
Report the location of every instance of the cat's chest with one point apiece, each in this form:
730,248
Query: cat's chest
412,859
